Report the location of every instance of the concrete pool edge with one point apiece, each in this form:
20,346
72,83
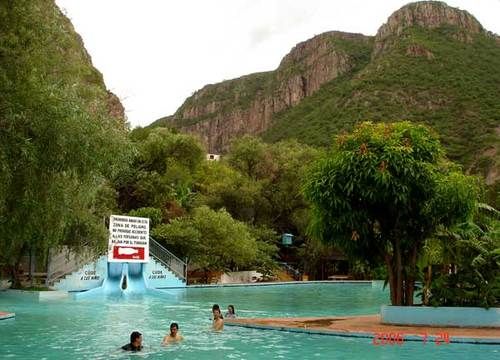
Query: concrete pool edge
35,294
441,316
282,283
299,325
6,315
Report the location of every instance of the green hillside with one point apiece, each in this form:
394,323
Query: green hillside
429,76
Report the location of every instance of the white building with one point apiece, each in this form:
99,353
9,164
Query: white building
213,157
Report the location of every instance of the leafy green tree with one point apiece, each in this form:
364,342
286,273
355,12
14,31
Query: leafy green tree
59,138
220,186
382,191
250,156
214,241
468,259
282,186
260,183
155,215
267,249
162,170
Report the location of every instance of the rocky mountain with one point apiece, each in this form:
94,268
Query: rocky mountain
36,35
428,63
219,112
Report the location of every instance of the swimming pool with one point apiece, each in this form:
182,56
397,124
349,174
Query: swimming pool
96,328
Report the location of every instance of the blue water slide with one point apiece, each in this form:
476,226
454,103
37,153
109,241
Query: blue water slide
114,281
112,284
122,280
135,283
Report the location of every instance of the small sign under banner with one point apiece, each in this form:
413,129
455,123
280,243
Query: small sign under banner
128,239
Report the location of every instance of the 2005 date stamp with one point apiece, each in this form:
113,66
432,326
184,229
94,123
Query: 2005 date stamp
398,338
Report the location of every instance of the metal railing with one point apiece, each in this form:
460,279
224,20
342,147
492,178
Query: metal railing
290,270
67,261
165,257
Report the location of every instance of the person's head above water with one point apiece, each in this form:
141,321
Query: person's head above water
136,339
174,328
217,314
230,309
216,311
135,342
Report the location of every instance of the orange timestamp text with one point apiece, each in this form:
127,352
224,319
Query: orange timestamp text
398,338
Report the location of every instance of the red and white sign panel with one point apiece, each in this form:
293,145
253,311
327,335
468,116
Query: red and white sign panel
128,239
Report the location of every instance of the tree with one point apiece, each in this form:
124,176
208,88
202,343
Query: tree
59,139
220,186
282,186
162,170
382,191
469,262
214,241
154,215
250,156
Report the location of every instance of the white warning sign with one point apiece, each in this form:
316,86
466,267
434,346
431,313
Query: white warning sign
128,239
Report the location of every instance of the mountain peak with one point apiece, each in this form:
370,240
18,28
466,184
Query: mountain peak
429,14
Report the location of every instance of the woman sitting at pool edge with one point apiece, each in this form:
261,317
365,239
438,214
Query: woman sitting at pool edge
230,312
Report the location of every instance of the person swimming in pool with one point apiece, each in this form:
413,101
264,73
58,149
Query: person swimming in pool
218,323
230,312
135,342
215,307
174,335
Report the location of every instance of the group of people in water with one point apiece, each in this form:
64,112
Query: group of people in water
174,336
218,319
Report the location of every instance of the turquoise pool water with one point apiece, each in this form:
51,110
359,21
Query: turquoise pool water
96,328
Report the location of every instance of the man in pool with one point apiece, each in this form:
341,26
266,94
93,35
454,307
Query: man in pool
174,335
135,342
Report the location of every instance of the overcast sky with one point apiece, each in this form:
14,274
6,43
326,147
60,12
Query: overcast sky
155,53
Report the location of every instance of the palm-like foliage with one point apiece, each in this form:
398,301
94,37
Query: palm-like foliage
469,255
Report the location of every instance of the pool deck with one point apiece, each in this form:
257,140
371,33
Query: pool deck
369,326
6,315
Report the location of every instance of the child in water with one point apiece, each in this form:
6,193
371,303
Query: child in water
218,322
230,312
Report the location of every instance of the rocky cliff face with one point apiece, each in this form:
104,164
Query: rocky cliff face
220,112
428,14
79,62
429,63
115,107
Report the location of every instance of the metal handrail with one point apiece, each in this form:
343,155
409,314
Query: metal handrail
165,257
65,262
290,270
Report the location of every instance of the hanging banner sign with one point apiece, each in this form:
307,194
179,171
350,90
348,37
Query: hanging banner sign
128,239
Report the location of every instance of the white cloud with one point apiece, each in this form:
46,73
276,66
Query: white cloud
155,53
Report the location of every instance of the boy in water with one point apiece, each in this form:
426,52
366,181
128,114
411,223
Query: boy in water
174,335
135,342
